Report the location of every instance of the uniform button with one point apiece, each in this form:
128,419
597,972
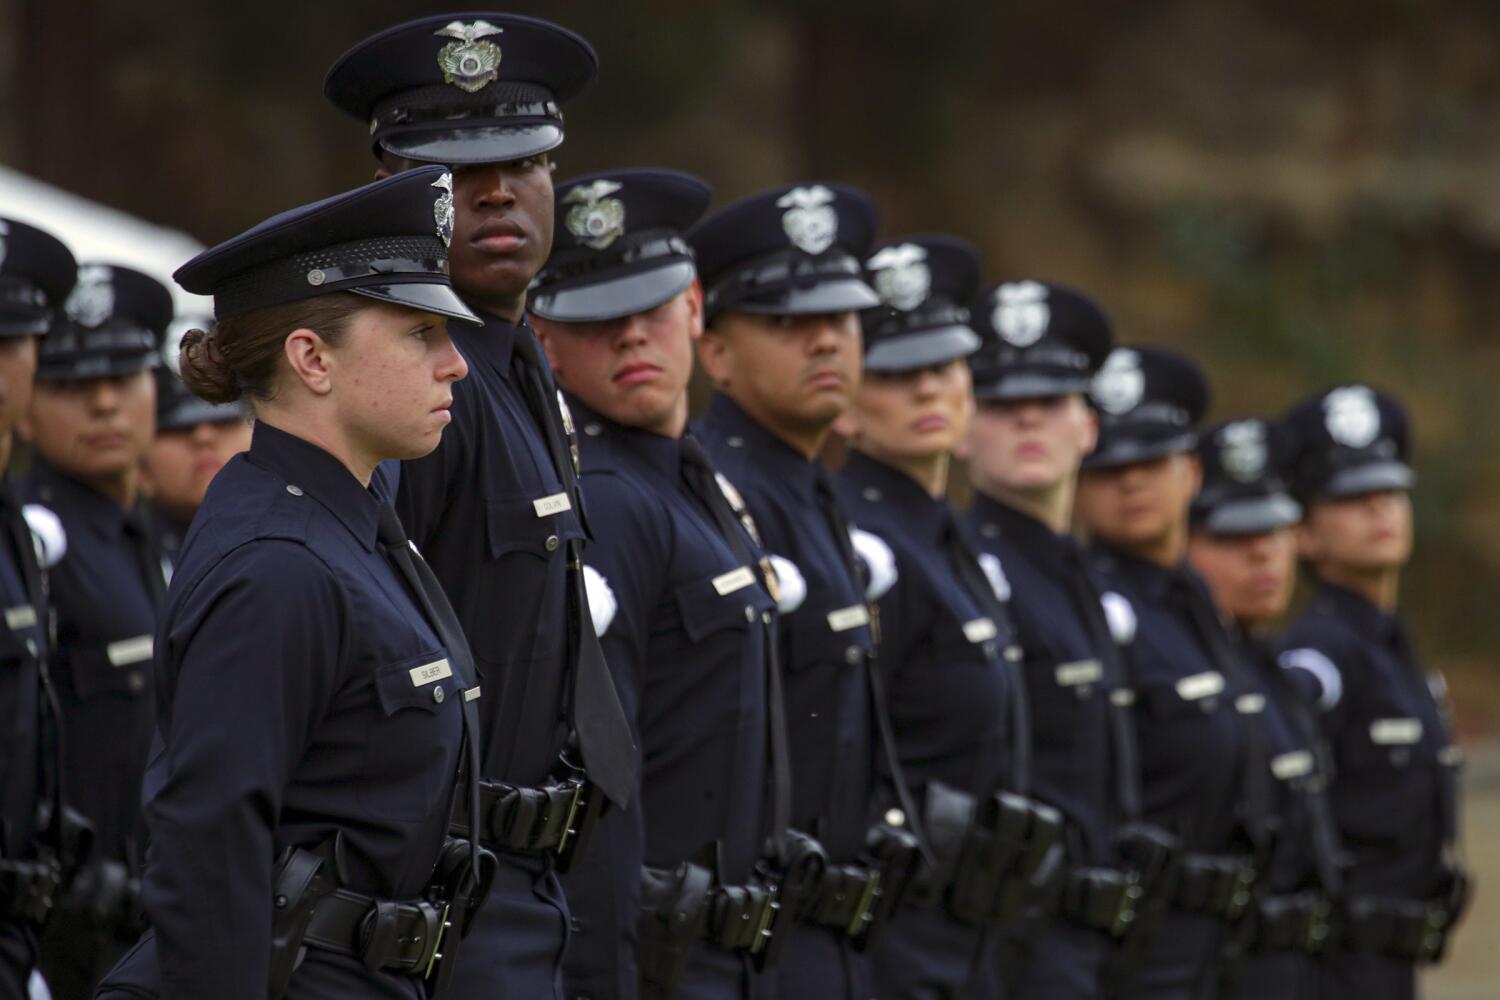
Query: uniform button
437,695
990,531
871,494
854,654
735,442
593,430
765,616
136,683
895,817
31,646
295,491
749,613
551,543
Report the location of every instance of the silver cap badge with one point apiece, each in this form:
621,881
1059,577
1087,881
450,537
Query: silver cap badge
1120,384
595,219
469,63
810,221
442,208
1021,312
1242,449
93,298
1352,416
902,278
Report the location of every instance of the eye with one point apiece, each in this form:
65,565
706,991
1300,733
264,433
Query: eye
423,332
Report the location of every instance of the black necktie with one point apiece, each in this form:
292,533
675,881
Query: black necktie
698,474
609,752
1121,721
966,565
147,556
424,586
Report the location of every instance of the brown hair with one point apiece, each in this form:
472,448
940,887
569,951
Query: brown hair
242,356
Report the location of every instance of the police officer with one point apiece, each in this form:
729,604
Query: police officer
1033,426
1203,776
690,626
90,423
496,507
1242,544
783,287
1395,794
36,274
946,641
194,438
315,692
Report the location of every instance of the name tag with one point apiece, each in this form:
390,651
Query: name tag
128,651
20,616
555,504
1250,704
471,694
1296,764
1198,686
1078,673
1395,732
434,671
844,619
737,579
979,630
1122,697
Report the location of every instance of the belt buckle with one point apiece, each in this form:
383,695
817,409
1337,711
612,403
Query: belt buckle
1125,910
574,802
864,910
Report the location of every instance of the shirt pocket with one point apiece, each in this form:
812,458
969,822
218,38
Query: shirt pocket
827,637
418,699
1194,697
539,526
729,600
121,667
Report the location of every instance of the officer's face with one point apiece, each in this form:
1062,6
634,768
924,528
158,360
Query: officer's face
95,428
913,415
182,462
792,372
1369,533
17,369
502,227
1251,576
1141,506
1030,445
634,370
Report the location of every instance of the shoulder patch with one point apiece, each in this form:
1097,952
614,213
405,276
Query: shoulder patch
881,561
48,534
1325,671
793,584
995,573
602,603
1120,614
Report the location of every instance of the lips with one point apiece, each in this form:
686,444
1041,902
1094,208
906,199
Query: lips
636,374
498,236
931,422
103,440
826,378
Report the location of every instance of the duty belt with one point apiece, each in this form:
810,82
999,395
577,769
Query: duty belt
1215,884
847,899
405,937
742,917
1102,899
28,889
554,820
1411,929
1295,922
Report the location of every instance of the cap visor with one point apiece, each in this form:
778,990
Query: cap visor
841,295
192,411
1030,385
1131,450
622,296
479,144
433,298
77,368
1373,477
921,349
1252,515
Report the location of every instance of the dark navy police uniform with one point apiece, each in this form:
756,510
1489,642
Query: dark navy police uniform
1395,791
496,508
315,692
36,274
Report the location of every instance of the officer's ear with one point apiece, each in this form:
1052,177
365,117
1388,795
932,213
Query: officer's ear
694,298
1089,439
544,336
716,355
308,356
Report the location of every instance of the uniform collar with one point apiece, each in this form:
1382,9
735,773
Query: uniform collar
57,487
779,461
1156,582
1027,533
495,341
317,474
922,515
660,453
1357,610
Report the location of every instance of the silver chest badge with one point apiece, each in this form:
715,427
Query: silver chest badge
442,208
1021,312
810,221
1352,416
469,63
1242,449
902,278
93,298
1120,384
595,219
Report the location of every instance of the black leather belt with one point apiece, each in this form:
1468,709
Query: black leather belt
28,889
1294,922
1215,884
542,821
846,900
740,917
1411,929
1102,899
404,937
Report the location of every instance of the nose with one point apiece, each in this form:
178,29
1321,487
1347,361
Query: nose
104,396
631,333
925,386
202,435
492,185
822,335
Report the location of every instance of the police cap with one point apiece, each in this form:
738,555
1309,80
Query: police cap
924,283
1150,401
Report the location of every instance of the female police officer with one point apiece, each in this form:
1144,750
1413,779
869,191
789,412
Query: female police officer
312,677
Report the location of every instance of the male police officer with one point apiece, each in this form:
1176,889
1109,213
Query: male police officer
1033,427
495,509
690,632
90,423
1395,792
36,274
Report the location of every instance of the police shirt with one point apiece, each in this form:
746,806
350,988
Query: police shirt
23,645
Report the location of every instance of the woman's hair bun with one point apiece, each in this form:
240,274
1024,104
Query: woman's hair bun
205,370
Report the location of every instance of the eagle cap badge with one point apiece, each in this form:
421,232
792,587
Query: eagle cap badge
1352,416
1120,384
902,278
1242,450
93,298
469,62
442,208
810,221
1021,312
595,219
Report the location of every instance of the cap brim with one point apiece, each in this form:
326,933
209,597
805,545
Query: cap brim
471,144
77,369
837,296
1252,515
921,349
1372,477
433,298
1030,385
625,295
190,412
1130,450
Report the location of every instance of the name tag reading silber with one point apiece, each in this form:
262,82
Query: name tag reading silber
737,579
1296,764
1198,686
1396,732
1250,704
1078,673
979,630
555,504
427,673
127,651
844,619
20,616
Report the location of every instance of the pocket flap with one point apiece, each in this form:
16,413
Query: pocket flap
539,525
426,682
720,602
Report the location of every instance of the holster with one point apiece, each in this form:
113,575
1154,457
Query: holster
896,853
674,913
1152,858
296,887
793,884
555,820
107,895
458,890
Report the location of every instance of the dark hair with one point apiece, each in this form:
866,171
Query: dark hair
242,355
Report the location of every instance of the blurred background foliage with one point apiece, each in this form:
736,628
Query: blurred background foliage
1298,193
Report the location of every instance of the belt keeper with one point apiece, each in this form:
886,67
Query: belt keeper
377,934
